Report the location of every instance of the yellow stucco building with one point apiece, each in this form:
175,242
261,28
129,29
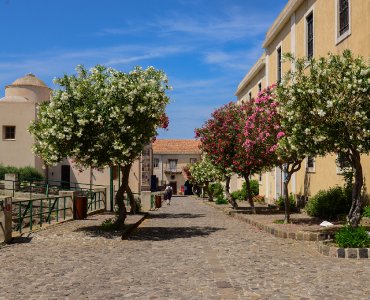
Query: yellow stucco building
308,28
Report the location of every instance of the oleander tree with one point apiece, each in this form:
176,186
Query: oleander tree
266,141
102,117
203,173
326,105
222,138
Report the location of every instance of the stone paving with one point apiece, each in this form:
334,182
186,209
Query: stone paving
187,250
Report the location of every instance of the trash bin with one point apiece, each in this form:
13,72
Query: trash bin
80,208
158,201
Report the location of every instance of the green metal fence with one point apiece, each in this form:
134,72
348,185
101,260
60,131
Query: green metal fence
37,212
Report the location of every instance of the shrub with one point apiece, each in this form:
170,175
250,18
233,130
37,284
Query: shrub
216,189
29,173
352,237
221,200
242,194
366,212
24,173
329,204
108,224
280,202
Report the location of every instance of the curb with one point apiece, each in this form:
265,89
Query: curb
130,228
349,253
299,235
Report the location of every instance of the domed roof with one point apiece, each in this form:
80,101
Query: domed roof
29,79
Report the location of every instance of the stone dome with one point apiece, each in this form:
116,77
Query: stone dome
29,79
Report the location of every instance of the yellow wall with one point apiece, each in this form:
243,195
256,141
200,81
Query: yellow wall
325,40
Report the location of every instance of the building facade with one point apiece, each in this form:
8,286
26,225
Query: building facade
169,159
308,28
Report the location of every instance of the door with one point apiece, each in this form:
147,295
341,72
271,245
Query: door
66,176
173,184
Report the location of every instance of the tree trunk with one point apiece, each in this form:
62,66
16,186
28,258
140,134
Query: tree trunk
354,215
122,212
249,194
286,199
206,189
228,195
133,204
289,170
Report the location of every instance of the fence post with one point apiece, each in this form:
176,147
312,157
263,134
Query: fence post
6,220
11,183
145,197
67,211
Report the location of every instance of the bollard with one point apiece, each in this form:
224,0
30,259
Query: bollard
6,220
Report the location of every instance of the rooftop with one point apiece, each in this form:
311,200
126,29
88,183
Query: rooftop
29,79
176,147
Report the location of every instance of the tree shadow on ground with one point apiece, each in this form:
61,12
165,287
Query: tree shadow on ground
176,216
97,231
21,239
170,233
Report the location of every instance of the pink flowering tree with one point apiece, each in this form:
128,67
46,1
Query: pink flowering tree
222,139
265,140
325,105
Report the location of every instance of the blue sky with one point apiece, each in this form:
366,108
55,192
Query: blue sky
205,46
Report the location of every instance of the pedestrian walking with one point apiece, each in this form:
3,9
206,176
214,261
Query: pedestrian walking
168,194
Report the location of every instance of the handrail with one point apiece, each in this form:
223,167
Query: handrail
39,211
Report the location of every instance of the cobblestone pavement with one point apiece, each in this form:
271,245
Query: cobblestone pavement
187,250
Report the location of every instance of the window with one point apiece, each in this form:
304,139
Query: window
310,164
155,162
309,24
250,95
259,86
278,53
172,165
193,160
342,20
8,132
260,177
343,16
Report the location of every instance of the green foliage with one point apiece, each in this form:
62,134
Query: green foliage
280,202
221,200
25,173
366,212
329,204
242,194
204,171
352,237
101,117
108,224
29,173
216,189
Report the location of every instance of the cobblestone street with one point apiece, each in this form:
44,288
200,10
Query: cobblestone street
187,250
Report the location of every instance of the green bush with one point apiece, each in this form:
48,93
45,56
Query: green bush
241,195
352,237
366,212
281,204
108,224
221,200
329,204
216,189
24,173
29,173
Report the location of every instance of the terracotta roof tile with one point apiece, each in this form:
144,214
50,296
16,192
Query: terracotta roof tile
176,147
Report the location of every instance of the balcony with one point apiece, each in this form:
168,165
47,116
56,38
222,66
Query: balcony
172,170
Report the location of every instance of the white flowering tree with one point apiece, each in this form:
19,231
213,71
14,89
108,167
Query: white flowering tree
203,173
101,118
326,107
